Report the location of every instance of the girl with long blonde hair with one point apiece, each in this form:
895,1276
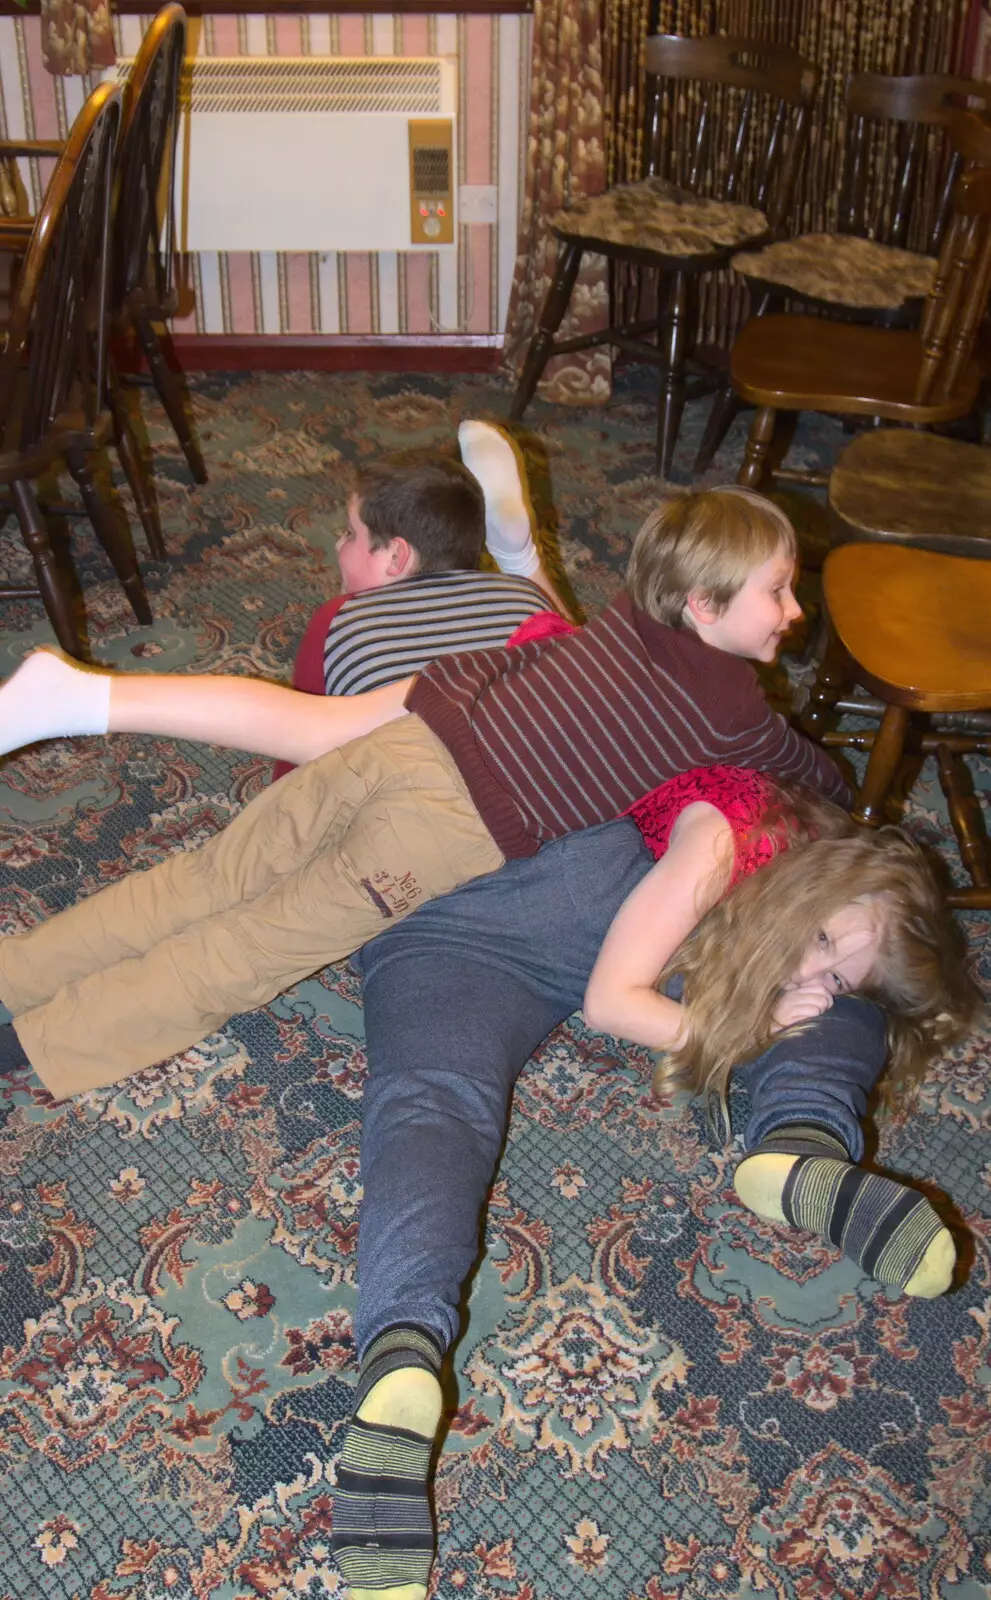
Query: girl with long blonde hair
710,958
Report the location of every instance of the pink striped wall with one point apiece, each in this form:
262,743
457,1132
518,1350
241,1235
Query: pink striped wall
466,290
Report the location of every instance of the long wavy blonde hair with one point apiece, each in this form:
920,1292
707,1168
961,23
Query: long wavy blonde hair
743,950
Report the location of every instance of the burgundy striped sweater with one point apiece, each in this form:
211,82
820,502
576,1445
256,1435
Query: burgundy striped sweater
560,734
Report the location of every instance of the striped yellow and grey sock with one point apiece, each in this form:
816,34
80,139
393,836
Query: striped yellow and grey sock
383,1533
803,1175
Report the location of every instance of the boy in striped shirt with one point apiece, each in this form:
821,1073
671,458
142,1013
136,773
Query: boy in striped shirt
409,558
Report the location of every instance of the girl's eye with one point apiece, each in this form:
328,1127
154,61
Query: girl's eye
838,981
823,938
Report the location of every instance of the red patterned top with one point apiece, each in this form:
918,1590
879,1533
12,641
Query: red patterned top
742,797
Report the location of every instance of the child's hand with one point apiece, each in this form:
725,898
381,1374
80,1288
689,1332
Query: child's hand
799,1003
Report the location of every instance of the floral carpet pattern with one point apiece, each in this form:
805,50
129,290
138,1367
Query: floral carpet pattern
655,1395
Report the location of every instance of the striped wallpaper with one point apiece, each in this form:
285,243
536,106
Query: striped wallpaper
462,291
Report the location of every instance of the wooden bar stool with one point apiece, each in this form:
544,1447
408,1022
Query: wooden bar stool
912,627
903,487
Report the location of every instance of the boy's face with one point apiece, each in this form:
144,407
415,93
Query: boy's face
361,566
758,617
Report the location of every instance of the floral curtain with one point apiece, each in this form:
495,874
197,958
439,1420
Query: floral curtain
76,36
581,67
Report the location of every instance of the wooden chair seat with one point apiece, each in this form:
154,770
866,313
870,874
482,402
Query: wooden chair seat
839,269
911,625
917,624
900,486
656,218
811,364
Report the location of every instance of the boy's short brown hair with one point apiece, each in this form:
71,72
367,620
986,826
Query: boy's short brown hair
428,499
709,542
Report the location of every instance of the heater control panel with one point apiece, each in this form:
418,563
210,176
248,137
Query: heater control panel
431,180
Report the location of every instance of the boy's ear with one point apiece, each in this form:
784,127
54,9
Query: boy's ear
403,559
700,609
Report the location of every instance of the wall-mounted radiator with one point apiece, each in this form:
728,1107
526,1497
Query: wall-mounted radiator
317,153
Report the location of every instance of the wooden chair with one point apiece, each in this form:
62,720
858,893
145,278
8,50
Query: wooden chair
924,377
693,209
52,379
142,292
911,626
864,272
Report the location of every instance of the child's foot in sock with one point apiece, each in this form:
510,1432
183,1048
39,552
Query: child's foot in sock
491,457
383,1532
803,1176
51,696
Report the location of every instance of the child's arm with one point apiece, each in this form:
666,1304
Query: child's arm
621,996
50,696
775,746
250,714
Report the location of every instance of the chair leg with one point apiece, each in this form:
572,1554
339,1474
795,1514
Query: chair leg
671,400
754,466
726,404
62,613
965,816
113,534
882,765
542,344
134,469
830,681
170,394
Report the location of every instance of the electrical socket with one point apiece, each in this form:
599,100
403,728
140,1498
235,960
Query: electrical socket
477,202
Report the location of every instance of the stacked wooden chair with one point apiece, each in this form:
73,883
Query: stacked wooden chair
53,384
693,209
142,291
899,170
925,377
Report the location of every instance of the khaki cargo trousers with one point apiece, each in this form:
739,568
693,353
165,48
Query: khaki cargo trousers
313,868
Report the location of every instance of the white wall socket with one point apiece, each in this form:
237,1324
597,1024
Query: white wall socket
477,202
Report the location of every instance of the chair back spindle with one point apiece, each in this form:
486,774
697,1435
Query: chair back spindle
961,286
896,190
718,84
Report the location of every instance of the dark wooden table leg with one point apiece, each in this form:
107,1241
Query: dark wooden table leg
672,396
751,473
63,614
115,539
170,395
566,271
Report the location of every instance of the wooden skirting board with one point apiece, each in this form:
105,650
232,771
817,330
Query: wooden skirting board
332,353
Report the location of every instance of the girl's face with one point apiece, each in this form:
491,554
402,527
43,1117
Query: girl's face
842,955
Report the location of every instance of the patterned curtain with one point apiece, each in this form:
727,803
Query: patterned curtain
76,36
584,132
586,114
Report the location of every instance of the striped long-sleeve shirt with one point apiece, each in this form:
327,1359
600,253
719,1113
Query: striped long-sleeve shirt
381,635
565,733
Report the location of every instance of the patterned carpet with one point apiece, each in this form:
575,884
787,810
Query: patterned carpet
656,1394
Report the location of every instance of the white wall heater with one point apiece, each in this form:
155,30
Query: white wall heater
317,153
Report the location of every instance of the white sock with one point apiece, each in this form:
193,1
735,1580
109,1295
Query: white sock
491,457
51,696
